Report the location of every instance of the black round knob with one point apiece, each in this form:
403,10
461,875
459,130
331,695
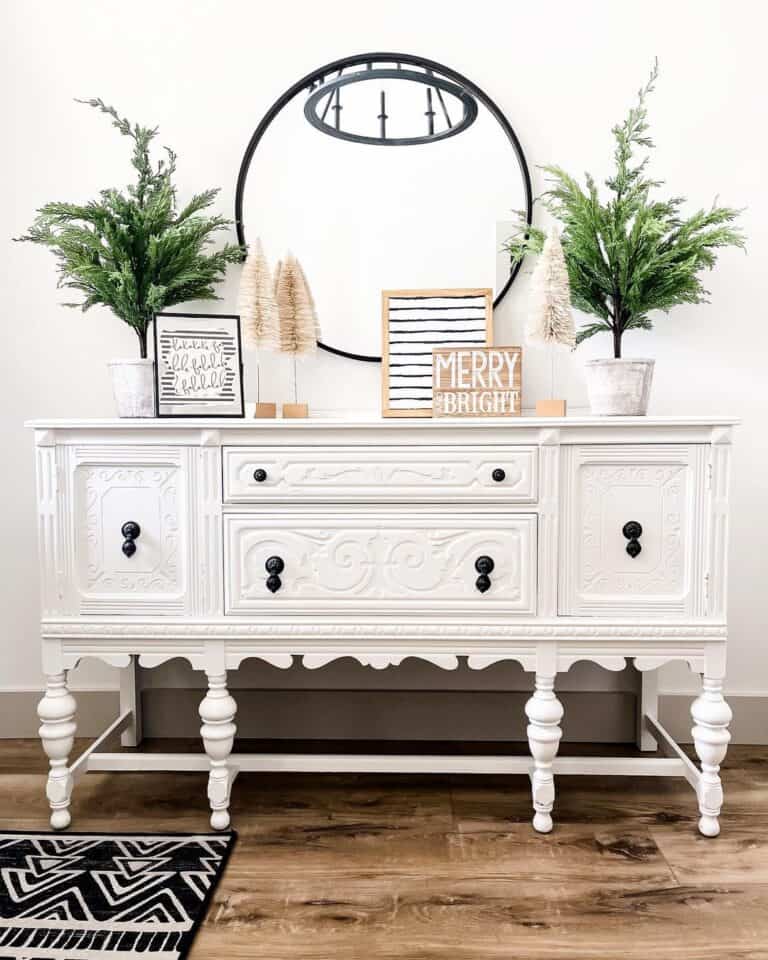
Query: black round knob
499,475
130,530
632,530
260,475
274,583
274,565
484,566
483,583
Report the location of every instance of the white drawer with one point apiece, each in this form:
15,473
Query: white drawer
380,474
365,562
660,487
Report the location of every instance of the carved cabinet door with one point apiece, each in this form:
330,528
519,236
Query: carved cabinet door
128,515
356,561
632,530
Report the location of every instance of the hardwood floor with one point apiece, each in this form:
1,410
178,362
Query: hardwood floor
364,867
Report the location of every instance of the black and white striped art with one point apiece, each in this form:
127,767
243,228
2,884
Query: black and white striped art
416,322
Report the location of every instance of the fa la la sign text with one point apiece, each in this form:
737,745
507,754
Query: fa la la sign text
478,382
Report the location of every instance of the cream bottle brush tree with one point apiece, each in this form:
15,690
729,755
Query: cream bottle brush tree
550,318
299,329
258,308
257,304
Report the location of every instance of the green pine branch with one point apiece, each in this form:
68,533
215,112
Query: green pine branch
131,250
629,254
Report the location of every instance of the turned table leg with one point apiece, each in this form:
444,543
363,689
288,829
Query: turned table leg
217,711
544,712
57,731
711,716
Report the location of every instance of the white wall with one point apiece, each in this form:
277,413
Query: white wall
206,71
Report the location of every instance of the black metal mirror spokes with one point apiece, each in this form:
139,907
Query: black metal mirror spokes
326,91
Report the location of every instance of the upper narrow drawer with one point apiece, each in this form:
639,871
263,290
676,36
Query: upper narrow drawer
381,474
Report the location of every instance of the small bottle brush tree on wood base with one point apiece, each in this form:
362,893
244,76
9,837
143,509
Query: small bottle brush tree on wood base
298,328
257,304
550,318
258,314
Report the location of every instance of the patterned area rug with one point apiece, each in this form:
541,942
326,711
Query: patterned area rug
87,896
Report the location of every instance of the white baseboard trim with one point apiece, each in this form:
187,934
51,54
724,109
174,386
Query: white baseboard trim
74,688
749,724
386,715
18,712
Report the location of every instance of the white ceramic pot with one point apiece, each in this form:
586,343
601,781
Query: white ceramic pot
619,388
134,387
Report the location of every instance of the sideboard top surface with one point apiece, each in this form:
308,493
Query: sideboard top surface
378,423
363,431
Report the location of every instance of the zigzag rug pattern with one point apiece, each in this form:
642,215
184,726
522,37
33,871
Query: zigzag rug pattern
94,896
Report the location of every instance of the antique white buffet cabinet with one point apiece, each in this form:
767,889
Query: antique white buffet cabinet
539,541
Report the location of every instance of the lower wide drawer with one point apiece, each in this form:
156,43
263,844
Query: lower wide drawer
369,561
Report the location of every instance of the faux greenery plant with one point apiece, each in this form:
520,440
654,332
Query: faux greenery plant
133,251
632,253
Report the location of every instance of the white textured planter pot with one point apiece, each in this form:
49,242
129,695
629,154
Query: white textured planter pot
134,387
619,388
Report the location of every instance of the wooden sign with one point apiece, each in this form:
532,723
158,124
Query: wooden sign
479,382
416,322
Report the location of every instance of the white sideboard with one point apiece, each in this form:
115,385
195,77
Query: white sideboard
539,541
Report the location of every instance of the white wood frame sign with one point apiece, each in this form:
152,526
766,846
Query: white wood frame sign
414,324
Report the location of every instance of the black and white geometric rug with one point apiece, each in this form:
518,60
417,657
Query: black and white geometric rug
94,896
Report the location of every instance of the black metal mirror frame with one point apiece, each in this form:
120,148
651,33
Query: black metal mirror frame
358,60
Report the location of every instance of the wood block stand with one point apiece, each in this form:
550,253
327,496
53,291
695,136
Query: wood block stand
265,411
295,411
550,408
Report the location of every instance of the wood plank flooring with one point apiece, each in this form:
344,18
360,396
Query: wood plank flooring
448,868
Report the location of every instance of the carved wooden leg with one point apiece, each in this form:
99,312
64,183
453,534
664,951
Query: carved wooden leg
544,712
57,731
711,716
217,711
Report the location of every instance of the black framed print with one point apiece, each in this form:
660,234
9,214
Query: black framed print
198,365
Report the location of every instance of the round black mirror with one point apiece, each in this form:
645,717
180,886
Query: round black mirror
430,211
